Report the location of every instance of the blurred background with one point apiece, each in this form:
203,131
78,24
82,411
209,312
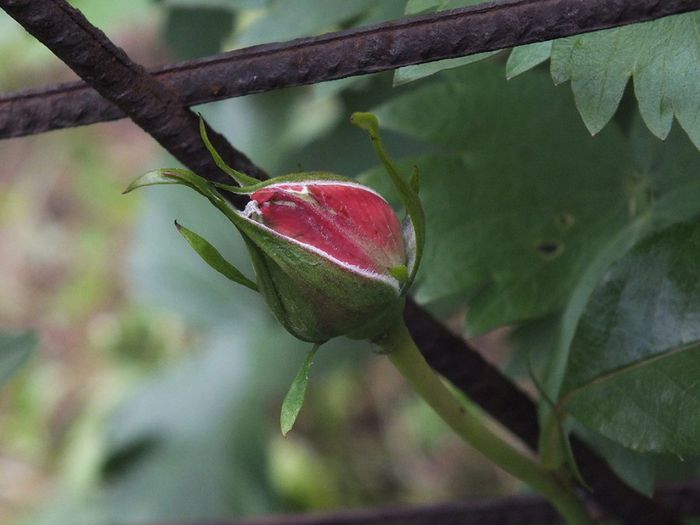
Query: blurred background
152,385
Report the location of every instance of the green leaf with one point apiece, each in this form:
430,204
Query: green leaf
287,20
560,65
197,31
407,74
663,190
293,401
663,58
524,58
601,67
15,351
642,472
635,358
519,198
213,258
508,157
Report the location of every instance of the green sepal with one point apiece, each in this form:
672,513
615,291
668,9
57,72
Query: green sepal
166,176
177,176
213,257
233,189
414,180
570,460
308,176
191,180
241,178
293,401
408,190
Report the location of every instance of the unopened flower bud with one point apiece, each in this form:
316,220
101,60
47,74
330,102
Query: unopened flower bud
335,247
331,258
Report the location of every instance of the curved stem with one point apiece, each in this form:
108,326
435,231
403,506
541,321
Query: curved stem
408,360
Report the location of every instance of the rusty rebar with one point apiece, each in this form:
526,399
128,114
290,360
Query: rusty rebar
107,68
518,510
360,51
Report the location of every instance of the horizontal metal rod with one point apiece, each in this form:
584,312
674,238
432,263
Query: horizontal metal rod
386,46
516,510
156,108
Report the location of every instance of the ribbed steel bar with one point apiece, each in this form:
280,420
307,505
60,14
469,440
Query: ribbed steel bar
512,511
156,108
522,510
381,47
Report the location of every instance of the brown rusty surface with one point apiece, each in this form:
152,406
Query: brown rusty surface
106,67
519,510
376,48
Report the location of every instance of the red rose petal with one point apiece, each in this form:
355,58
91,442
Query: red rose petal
350,223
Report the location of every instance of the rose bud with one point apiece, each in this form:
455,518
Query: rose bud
327,254
330,255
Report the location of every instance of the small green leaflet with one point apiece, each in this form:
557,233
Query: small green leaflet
15,351
293,401
213,258
662,56
407,74
241,178
526,57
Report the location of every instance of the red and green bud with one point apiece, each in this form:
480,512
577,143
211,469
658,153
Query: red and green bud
326,253
330,255
348,223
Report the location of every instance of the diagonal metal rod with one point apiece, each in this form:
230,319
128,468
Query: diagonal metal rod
154,107
360,51
159,112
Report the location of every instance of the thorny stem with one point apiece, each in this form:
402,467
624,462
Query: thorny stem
408,360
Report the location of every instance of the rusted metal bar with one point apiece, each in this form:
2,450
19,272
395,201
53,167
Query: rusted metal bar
159,111
371,49
520,510
107,68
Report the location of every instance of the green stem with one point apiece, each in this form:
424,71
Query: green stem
410,363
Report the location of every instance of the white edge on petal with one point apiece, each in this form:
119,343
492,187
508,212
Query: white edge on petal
386,279
310,183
